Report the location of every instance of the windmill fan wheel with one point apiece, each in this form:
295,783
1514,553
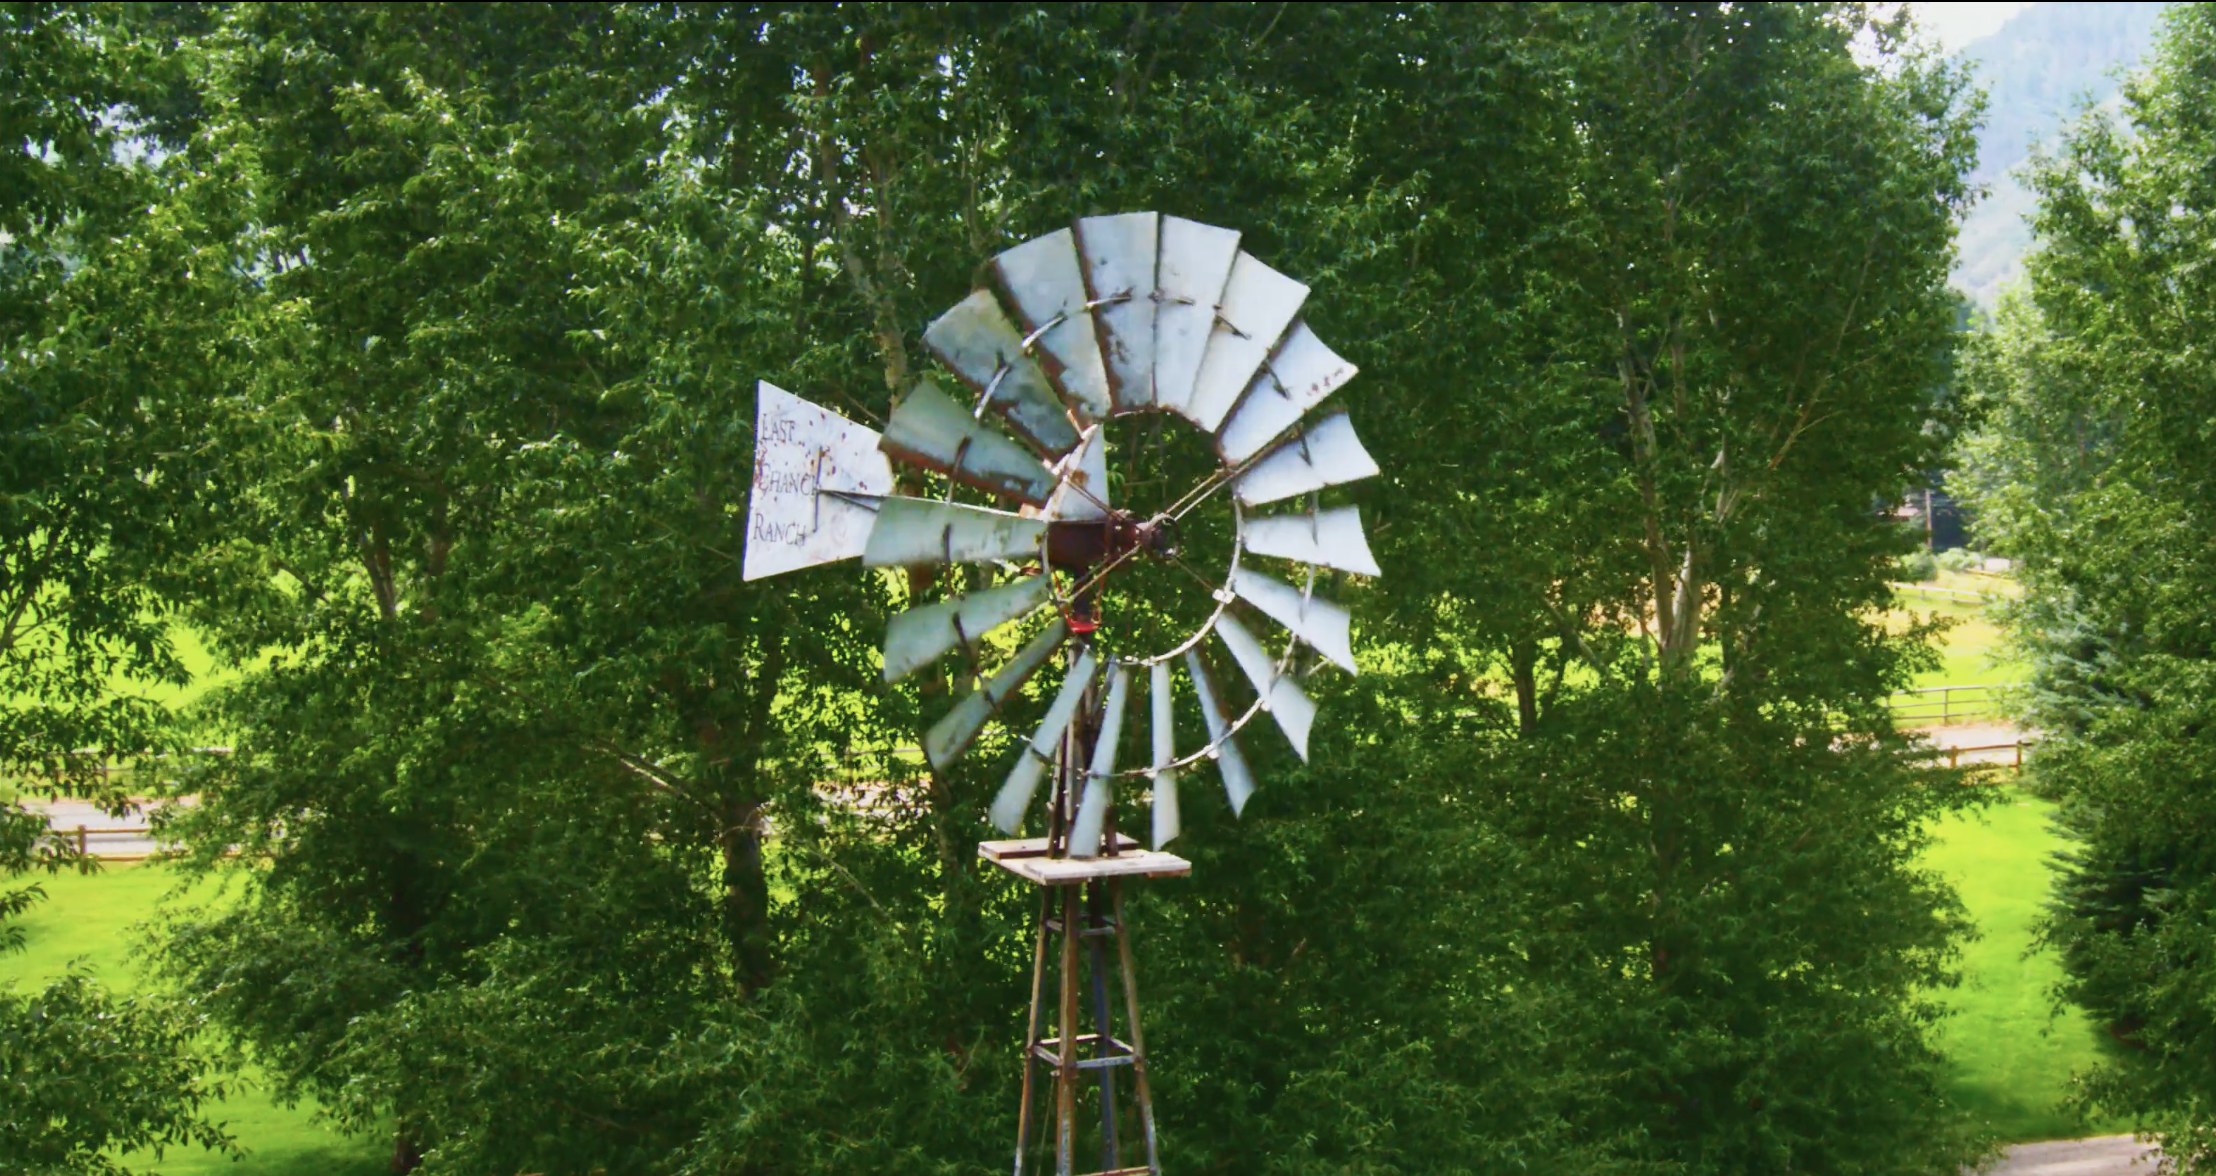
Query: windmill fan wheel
1138,465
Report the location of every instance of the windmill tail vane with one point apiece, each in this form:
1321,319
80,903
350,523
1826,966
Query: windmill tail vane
1138,315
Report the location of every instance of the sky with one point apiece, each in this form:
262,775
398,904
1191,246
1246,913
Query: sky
1956,25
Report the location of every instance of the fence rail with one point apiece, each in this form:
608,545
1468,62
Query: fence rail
1935,592
1945,704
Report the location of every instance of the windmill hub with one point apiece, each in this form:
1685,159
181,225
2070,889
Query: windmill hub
1082,546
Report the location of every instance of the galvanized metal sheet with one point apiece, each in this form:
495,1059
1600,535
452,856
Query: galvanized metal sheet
1195,263
929,429
1092,810
957,729
1166,823
1326,538
976,341
1046,284
804,456
1325,454
1314,620
1083,473
1258,304
1118,253
1031,762
924,532
1238,780
920,636
1281,696
1299,374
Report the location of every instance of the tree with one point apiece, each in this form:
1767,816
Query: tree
2094,470
1608,863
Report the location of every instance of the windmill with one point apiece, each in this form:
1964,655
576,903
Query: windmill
1137,454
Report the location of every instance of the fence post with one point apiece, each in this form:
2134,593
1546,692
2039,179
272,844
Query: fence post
82,866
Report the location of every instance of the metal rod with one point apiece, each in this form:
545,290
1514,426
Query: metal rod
1098,959
1131,1014
1065,1068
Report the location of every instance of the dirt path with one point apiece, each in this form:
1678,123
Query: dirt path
1997,740
2105,1155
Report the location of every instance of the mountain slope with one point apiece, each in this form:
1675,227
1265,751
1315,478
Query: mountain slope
2037,70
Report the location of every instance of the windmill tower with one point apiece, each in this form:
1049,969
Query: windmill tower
1137,359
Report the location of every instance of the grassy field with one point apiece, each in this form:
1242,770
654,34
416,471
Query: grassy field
91,919
2012,1056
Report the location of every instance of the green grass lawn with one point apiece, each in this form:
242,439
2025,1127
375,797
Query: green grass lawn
2011,1057
91,918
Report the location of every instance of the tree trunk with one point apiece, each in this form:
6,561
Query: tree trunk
1523,661
746,897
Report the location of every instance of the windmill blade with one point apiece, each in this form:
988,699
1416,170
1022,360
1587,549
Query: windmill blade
1327,455
1297,377
1166,823
976,342
918,637
1258,304
1118,253
1195,263
815,474
952,734
1083,492
924,532
1238,781
1326,538
1032,761
929,429
1047,286
1282,697
1092,811
1316,621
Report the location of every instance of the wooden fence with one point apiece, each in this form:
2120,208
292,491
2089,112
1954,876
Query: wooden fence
1939,705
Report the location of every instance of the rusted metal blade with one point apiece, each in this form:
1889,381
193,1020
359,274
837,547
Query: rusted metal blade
930,430
1118,253
1046,285
1238,780
1297,377
924,532
1326,538
976,342
918,637
957,729
1282,697
1314,620
1092,811
1326,454
1258,304
1195,263
815,474
1033,760
1166,823
1082,494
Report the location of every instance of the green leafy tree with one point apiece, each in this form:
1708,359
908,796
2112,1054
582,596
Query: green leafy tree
1607,864
2095,470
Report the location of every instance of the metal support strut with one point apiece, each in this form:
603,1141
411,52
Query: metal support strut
1087,912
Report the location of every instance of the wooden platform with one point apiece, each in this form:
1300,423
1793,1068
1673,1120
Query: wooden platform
1026,858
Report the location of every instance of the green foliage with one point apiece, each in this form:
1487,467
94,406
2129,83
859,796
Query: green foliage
2097,469
85,1074
444,320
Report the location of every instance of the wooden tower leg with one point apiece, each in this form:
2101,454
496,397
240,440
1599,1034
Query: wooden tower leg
1031,1031
1138,1038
